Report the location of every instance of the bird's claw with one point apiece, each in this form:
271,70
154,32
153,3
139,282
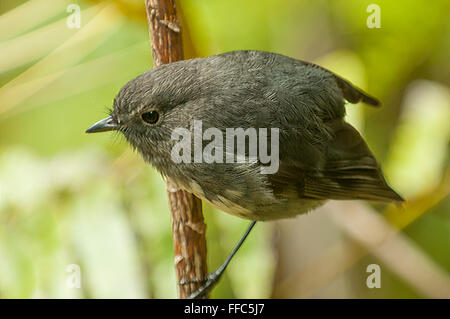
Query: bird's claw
211,281
208,283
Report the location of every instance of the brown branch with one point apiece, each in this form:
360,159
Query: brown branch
188,227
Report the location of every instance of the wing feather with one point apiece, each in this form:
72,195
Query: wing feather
350,171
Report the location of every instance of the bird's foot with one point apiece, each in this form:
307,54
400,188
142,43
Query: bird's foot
208,284
213,278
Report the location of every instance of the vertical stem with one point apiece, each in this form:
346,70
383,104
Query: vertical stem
188,226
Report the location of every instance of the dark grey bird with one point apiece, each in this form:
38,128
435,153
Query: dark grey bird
320,157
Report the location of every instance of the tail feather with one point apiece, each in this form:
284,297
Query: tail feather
350,171
353,94
366,184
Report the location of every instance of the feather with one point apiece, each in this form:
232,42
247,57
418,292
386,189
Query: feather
350,171
353,94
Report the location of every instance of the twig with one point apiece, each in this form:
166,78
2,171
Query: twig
188,226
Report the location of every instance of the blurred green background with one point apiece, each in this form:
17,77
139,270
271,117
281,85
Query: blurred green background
67,198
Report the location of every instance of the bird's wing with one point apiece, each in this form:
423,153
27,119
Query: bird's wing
349,171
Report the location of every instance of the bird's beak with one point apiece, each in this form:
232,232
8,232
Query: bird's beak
104,125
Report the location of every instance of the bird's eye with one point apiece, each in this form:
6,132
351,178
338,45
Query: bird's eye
150,117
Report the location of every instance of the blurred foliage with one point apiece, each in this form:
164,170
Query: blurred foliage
67,198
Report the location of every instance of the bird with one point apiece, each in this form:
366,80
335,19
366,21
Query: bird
320,156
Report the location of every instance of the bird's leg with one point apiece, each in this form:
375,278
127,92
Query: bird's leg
213,278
